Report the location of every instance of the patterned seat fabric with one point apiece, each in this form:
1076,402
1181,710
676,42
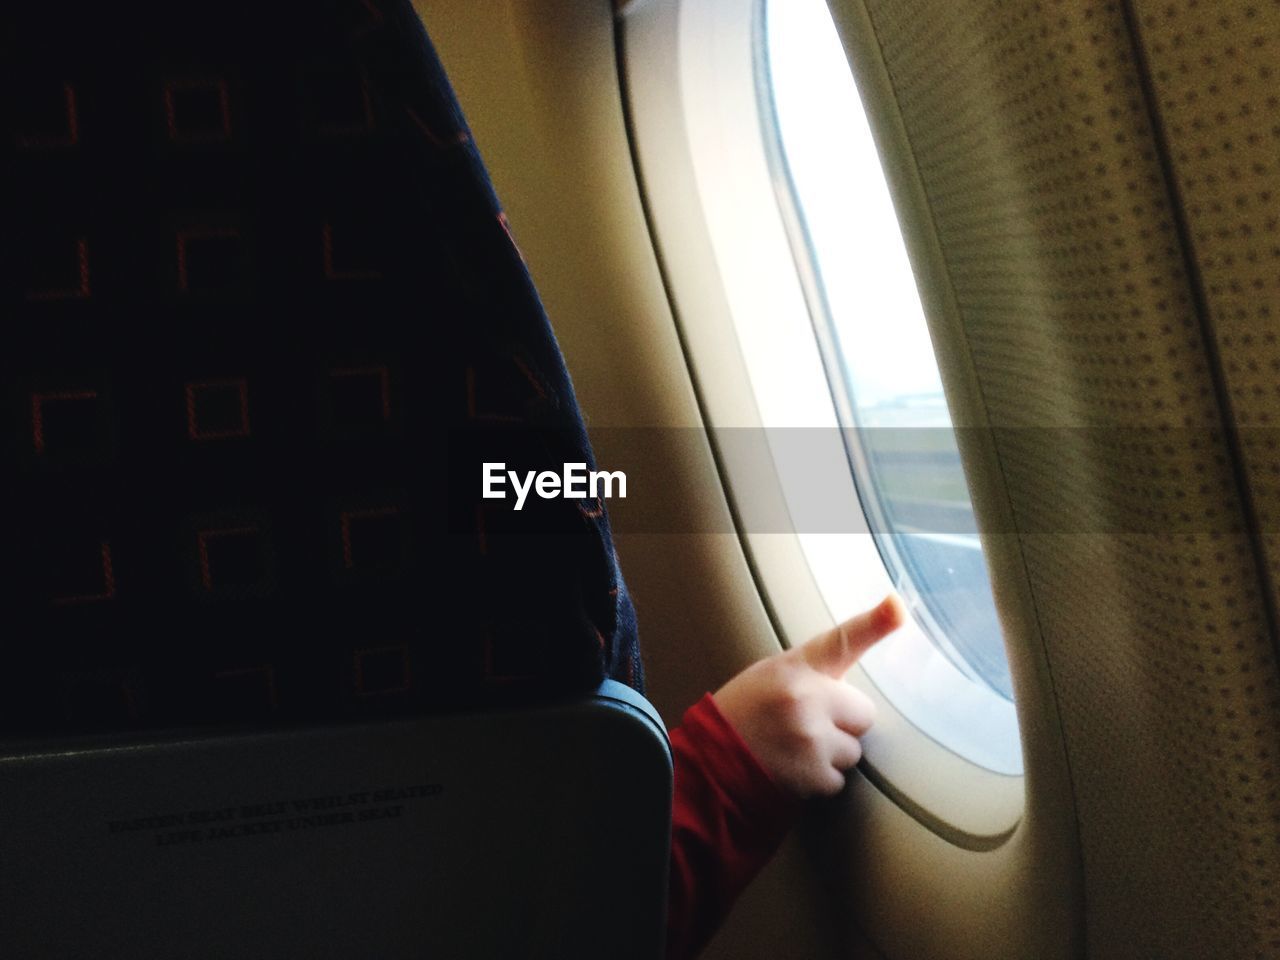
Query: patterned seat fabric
264,321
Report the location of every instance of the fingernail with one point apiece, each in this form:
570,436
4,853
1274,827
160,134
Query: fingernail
891,611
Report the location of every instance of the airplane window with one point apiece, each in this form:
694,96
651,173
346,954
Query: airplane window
951,676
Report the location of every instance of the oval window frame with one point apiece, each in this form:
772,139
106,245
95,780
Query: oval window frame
689,69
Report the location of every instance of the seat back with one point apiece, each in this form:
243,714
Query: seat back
539,832
265,321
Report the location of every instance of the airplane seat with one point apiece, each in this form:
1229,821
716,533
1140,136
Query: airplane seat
279,680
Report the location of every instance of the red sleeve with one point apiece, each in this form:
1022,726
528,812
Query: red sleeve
727,820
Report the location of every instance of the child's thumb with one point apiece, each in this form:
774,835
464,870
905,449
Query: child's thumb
837,650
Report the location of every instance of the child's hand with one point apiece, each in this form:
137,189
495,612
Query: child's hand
800,719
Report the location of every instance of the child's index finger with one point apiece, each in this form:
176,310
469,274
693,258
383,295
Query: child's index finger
836,651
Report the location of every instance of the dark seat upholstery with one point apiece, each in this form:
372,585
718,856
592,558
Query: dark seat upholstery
263,321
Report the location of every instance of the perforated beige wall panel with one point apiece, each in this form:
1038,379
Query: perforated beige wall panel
1031,133
1215,76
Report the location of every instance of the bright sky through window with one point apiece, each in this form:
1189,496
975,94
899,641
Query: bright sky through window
865,272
